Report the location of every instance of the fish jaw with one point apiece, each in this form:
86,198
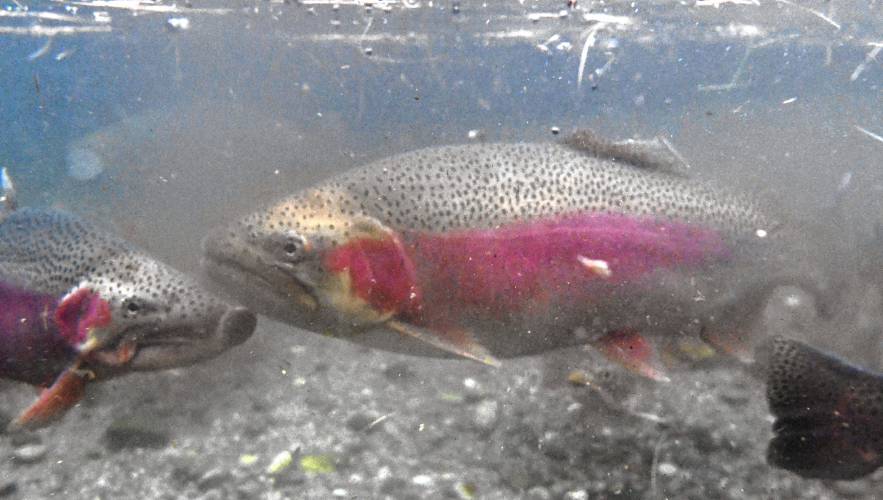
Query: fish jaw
176,323
172,346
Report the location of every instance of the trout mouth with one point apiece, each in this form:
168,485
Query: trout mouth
141,348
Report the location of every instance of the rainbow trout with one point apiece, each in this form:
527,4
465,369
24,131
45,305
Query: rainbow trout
829,414
79,305
491,251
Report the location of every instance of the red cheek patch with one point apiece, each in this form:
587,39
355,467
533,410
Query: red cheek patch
380,271
79,313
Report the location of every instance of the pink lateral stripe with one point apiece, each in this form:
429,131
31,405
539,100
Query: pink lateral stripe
508,268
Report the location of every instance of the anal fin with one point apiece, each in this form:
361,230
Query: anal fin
67,390
454,341
632,351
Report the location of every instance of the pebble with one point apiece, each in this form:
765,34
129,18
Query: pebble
487,413
667,469
423,480
280,462
30,453
577,495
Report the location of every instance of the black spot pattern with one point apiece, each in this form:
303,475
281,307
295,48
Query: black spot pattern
53,252
829,414
485,185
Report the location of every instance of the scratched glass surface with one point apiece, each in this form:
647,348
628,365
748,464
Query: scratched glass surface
161,121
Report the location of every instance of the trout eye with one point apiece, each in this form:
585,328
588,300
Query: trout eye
136,306
290,247
132,307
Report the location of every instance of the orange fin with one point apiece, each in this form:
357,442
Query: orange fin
455,341
731,343
632,351
117,357
67,390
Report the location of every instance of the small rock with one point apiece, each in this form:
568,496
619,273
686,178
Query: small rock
577,495
474,390
280,462
465,490
29,453
667,469
339,492
214,478
486,415
423,480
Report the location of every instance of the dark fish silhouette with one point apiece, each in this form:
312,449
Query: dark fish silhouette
829,414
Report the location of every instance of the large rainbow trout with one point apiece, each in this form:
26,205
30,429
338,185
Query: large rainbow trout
497,250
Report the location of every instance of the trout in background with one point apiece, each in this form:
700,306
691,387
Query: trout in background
81,305
829,414
490,251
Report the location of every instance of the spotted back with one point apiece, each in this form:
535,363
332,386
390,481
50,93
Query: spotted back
478,186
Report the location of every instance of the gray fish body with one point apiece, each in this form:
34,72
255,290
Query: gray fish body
477,186
448,189
170,319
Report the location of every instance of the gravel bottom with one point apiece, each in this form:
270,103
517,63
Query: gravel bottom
291,415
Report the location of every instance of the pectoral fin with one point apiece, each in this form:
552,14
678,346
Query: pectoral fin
67,390
455,341
632,351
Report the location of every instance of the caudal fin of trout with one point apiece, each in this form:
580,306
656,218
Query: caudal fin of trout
829,414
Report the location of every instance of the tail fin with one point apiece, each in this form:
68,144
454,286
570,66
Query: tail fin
829,414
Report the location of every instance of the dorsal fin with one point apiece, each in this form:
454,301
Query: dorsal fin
7,194
651,154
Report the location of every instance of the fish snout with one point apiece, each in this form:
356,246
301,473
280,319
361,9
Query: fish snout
237,325
223,243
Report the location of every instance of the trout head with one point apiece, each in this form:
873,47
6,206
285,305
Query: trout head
158,318
310,264
121,309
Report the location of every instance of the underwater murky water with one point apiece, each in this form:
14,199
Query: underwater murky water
161,121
